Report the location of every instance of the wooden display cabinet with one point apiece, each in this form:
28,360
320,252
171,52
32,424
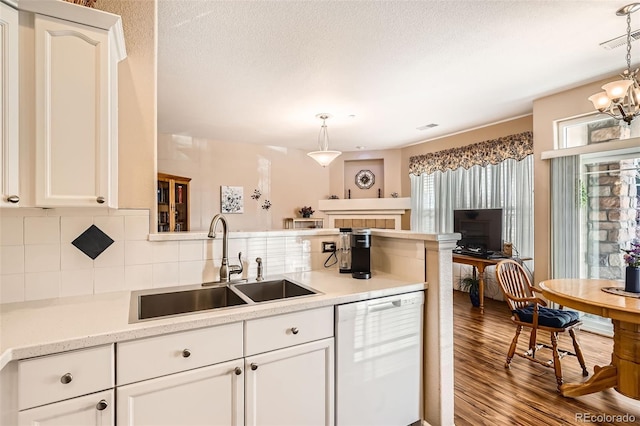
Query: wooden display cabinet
173,203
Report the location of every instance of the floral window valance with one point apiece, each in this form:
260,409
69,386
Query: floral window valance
493,151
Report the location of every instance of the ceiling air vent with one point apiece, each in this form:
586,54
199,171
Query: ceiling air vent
620,41
427,126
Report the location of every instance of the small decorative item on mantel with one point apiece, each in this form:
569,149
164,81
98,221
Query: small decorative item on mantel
632,272
306,211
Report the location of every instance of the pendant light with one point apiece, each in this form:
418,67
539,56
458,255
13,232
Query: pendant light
621,98
324,156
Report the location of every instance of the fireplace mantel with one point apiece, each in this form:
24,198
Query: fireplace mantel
367,210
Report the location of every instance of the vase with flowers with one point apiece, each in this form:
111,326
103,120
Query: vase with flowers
632,272
306,211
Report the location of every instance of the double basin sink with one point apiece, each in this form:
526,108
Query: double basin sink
150,304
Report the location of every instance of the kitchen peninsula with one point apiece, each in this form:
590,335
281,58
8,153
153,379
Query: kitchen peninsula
402,262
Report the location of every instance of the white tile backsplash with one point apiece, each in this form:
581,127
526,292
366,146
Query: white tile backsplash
190,251
72,226
71,258
11,231
166,251
77,282
108,279
113,226
192,272
42,258
38,260
138,252
138,277
41,285
42,230
11,259
166,274
11,288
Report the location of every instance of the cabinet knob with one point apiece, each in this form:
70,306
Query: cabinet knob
295,330
13,199
238,371
102,405
254,366
186,353
66,379
100,200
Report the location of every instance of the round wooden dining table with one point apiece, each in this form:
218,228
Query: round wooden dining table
586,295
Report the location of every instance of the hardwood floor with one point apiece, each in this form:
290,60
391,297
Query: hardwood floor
488,394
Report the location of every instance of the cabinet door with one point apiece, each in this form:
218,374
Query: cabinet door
8,106
95,409
292,386
204,396
76,142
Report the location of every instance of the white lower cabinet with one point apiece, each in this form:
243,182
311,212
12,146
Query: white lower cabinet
211,395
90,410
291,386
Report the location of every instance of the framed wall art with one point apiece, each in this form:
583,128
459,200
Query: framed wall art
231,199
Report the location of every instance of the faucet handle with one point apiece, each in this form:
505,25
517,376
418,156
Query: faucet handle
236,269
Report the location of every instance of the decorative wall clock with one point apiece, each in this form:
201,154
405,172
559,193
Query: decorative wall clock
365,179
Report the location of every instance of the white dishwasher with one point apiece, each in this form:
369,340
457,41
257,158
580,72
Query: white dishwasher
379,361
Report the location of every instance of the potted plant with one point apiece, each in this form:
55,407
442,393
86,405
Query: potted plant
472,285
306,211
632,272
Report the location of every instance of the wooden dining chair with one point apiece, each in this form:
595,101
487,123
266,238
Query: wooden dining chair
531,312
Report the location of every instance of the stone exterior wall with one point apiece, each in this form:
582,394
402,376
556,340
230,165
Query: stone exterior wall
613,212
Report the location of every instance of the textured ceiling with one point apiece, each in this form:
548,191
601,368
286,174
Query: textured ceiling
259,71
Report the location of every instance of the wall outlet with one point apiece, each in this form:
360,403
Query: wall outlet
328,246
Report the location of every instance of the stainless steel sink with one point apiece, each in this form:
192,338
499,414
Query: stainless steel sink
273,290
180,302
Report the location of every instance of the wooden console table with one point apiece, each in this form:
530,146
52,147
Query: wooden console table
586,295
480,264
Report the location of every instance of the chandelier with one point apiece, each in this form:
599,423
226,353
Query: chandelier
621,98
323,156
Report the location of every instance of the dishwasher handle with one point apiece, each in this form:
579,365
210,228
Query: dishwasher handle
390,304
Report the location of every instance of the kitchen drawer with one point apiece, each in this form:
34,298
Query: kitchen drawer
170,353
56,377
281,331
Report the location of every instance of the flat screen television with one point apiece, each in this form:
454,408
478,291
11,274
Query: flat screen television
481,229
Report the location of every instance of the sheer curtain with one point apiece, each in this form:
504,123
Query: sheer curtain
565,217
507,185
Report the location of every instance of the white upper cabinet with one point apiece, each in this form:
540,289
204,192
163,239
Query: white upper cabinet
9,195
70,55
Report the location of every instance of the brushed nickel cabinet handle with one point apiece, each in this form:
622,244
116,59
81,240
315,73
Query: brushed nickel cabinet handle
295,330
100,200
13,199
186,353
102,405
66,379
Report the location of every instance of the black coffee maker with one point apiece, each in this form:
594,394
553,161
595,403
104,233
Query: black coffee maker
361,253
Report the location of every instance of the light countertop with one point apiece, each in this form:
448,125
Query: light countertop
29,329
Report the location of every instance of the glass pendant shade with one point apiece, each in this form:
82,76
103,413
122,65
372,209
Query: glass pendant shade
600,101
616,90
324,156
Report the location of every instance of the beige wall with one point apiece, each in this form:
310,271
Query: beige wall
137,102
518,125
546,111
287,177
341,177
